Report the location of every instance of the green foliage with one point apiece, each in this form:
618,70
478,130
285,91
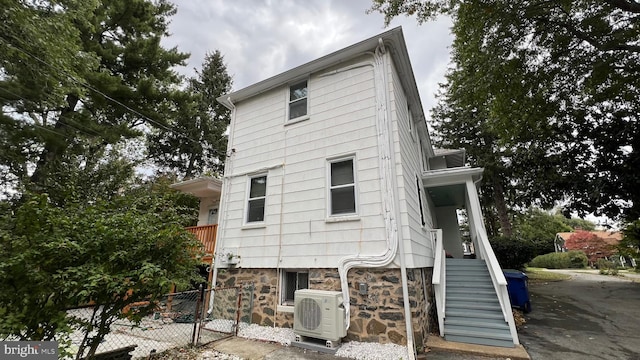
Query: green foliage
200,117
513,253
543,95
607,267
564,260
114,253
541,227
631,239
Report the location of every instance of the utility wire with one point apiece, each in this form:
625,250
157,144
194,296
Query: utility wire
88,86
85,131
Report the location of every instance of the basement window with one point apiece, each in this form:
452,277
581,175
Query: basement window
293,280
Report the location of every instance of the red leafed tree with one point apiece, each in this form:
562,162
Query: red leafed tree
591,244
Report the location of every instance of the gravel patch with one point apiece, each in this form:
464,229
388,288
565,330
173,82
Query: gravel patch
353,349
372,351
256,332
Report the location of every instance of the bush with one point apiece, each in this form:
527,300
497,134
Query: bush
566,260
607,267
513,253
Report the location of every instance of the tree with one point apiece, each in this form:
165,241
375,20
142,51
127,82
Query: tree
591,244
544,96
200,117
79,77
115,253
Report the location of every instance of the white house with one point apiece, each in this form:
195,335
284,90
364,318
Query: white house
331,183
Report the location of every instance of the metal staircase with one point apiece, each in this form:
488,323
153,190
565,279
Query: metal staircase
473,313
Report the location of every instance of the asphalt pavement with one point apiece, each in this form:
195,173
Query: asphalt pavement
590,316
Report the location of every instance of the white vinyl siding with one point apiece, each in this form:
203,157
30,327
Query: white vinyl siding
294,158
418,247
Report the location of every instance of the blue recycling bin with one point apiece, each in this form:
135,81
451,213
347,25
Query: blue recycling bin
518,288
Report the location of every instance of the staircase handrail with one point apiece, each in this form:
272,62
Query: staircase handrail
487,254
499,282
439,276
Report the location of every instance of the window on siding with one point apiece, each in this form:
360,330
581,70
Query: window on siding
342,187
298,100
257,197
419,186
292,281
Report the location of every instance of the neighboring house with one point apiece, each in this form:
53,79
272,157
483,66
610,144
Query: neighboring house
563,241
207,189
607,242
331,183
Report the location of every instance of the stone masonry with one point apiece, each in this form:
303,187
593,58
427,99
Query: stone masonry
377,316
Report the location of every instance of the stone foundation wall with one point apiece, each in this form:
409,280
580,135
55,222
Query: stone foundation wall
377,316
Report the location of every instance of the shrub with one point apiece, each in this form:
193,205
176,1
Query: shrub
513,253
607,267
566,260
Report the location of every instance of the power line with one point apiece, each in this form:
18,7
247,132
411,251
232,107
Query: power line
88,86
95,133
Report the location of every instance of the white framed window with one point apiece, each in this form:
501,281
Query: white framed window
291,281
256,199
298,106
342,187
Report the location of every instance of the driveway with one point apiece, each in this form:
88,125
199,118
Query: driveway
590,316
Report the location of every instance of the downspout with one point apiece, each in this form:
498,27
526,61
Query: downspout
278,259
396,197
390,202
228,169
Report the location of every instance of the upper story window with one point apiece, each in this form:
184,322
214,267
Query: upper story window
298,104
256,199
342,189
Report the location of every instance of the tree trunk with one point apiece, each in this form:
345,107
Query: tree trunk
53,150
501,207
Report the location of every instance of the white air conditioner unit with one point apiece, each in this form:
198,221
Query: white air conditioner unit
319,314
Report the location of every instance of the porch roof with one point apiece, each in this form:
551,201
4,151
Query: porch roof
202,187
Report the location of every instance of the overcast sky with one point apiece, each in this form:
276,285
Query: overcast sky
260,39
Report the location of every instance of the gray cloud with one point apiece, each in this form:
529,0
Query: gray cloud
261,38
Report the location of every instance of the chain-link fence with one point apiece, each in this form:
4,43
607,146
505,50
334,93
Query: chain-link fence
172,324
228,308
195,317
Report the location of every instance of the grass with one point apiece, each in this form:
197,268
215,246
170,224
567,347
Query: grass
541,274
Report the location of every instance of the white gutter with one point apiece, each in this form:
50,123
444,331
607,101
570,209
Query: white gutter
390,201
224,202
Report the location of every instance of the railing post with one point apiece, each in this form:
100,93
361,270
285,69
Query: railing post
196,316
239,293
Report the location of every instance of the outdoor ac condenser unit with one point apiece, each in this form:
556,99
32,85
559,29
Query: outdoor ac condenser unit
319,314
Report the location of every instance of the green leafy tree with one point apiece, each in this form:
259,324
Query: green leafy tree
79,77
199,117
115,253
544,96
